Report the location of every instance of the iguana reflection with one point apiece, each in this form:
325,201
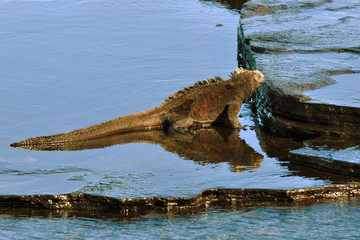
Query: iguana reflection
204,145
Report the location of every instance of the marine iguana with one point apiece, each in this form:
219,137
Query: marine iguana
209,102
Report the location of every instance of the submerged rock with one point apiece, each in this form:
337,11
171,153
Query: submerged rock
332,154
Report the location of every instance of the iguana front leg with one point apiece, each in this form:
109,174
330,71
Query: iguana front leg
233,118
229,118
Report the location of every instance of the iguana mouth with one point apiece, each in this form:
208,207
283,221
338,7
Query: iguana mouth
261,78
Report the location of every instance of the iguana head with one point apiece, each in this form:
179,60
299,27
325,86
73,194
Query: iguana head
254,78
257,80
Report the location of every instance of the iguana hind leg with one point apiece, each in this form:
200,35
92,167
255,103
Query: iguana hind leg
229,118
181,125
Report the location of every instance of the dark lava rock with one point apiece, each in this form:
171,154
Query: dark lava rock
299,48
87,205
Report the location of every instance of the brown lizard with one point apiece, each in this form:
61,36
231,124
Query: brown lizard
208,102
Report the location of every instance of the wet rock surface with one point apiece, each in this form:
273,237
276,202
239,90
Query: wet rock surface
331,154
87,205
302,46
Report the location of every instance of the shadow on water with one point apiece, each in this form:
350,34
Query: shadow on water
205,145
235,5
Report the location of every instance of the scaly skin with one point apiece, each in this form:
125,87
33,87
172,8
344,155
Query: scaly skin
210,102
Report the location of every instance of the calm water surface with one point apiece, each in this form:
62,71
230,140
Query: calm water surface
69,64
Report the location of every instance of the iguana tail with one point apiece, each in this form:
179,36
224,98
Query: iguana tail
146,120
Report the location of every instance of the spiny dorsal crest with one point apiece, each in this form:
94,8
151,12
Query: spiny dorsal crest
237,71
200,84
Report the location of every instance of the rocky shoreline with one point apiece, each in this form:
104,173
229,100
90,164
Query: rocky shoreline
298,50
87,205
